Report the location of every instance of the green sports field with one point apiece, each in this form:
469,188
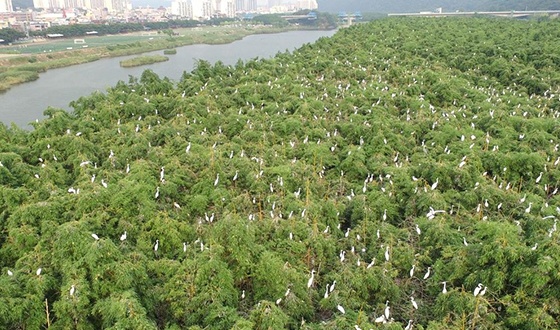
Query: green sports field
56,45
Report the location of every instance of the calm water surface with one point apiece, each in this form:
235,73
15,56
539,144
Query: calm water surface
58,87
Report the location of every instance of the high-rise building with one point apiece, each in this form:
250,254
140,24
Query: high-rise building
251,5
230,9
240,5
207,9
6,6
182,8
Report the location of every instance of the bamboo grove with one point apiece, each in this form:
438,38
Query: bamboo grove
401,174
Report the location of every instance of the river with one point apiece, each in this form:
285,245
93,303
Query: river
25,103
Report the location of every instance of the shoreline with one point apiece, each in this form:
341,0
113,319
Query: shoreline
17,69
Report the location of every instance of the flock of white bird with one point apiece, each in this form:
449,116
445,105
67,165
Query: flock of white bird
476,140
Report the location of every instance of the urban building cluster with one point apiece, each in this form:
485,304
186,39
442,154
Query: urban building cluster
61,12
204,9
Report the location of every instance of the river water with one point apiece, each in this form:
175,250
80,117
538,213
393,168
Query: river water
25,103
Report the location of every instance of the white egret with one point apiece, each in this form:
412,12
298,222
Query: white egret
539,178
380,319
409,325
217,179
10,273
326,292
243,294
483,291
528,209
72,290
38,272
476,291
156,195
387,253
123,236
435,184
95,237
427,273
162,174
412,271
418,231
156,246
331,288
414,304
465,241
387,310
341,309
310,281
444,290
184,247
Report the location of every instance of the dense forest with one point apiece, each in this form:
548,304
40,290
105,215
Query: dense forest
400,174
407,6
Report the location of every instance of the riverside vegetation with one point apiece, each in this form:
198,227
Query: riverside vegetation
400,174
143,60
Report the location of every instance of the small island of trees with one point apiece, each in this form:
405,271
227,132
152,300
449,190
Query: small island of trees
400,174
143,60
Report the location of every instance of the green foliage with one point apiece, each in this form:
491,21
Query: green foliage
208,203
10,35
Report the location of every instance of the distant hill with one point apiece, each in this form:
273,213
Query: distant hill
428,5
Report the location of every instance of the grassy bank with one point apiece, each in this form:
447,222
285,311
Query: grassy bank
143,60
56,54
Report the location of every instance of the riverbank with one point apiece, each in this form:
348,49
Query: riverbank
26,67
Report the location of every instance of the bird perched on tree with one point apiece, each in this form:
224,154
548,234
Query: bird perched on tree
414,304
476,291
341,309
310,281
427,273
444,291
